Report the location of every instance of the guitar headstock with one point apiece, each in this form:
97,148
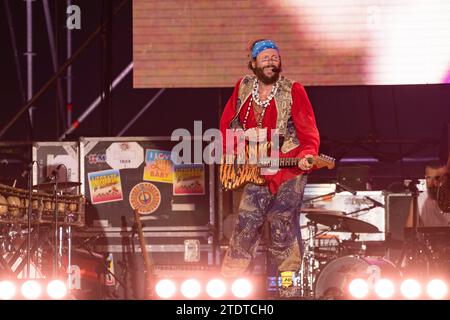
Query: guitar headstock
324,161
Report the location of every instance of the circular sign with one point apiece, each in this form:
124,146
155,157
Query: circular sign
145,197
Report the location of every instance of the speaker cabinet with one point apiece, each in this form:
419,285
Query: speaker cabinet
397,209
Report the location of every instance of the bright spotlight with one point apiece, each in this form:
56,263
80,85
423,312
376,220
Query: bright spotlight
190,288
31,289
358,288
165,288
7,290
56,289
410,289
437,289
215,288
241,288
384,288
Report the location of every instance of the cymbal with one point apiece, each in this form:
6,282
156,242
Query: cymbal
60,186
341,223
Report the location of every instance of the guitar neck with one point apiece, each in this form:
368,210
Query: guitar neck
280,162
288,162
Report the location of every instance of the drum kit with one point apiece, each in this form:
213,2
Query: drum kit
324,273
30,219
329,264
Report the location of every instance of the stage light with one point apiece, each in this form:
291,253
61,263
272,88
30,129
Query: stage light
241,288
410,289
31,289
7,290
437,289
165,288
384,288
56,289
190,288
358,288
215,288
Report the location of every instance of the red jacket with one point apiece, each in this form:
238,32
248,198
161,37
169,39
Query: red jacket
304,122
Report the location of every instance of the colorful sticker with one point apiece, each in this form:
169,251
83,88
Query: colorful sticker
96,158
158,166
145,197
105,186
124,155
192,250
287,279
189,179
109,279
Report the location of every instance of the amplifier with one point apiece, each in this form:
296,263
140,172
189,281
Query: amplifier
397,209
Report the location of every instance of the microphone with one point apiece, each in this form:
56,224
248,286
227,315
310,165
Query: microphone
375,202
276,70
28,168
345,188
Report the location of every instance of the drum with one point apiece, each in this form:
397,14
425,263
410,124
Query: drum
333,280
14,205
70,210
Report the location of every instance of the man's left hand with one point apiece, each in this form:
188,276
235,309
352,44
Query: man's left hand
304,164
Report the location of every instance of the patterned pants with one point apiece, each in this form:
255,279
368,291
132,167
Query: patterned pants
282,211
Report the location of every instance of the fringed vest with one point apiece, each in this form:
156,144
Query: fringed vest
283,103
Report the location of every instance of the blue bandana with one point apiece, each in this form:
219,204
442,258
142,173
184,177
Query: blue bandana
263,45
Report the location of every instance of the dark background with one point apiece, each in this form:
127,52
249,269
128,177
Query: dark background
394,130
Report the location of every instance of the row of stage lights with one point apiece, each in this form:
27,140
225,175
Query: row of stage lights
239,288
164,289
436,289
214,289
412,289
32,290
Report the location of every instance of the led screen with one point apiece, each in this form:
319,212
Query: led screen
203,43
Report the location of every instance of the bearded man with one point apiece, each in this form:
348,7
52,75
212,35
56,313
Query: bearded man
268,100
430,215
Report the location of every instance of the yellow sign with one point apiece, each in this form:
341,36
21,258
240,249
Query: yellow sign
287,279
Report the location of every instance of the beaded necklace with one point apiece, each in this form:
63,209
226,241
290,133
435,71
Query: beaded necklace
263,104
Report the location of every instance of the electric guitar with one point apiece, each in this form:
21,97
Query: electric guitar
148,263
234,175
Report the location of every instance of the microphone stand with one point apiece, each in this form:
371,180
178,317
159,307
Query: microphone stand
328,195
54,177
28,170
412,247
339,187
373,206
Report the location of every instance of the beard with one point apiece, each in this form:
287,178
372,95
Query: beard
432,192
259,72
